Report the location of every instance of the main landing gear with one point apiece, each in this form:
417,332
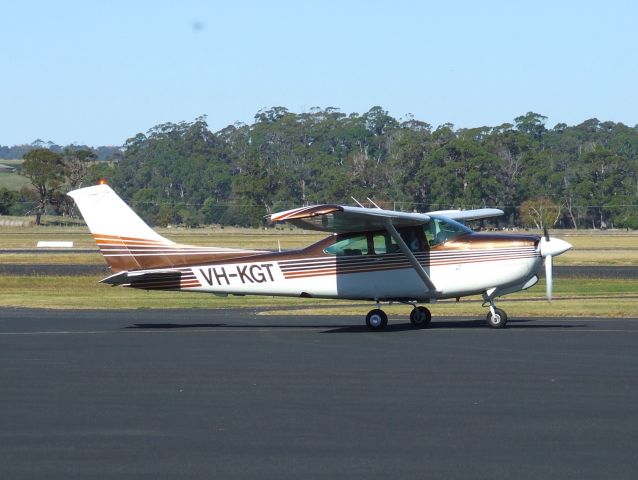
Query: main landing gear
377,319
420,317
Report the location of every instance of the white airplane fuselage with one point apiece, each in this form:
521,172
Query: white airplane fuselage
469,265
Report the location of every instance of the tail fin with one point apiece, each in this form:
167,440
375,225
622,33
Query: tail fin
128,243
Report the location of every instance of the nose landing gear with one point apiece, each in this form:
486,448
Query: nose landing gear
496,317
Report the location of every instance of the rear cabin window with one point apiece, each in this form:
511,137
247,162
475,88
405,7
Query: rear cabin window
349,246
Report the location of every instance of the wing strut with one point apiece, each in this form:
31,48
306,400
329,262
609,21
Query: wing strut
408,253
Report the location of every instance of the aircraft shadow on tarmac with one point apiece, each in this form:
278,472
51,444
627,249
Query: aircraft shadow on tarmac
165,326
457,324
393,327
153,326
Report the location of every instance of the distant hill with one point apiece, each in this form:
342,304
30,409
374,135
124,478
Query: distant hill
17,151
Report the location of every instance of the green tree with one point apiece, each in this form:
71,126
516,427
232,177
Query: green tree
77,163
540,212
8,199
532,124
47,173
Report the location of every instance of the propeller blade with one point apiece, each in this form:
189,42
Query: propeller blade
546,233
548,276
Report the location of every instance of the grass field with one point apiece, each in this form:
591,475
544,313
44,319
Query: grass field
590,248
12,181
26,238
572,297
9,180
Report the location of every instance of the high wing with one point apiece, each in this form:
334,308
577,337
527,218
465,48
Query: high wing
344,219
467,215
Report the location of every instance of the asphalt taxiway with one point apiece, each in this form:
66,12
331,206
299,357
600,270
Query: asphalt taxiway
232,394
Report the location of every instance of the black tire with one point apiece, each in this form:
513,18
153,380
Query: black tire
376,319
498,320
420,317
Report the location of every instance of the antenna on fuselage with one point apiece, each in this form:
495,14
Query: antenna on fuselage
357,201
370,200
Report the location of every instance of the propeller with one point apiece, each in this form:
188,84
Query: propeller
548,248
549,281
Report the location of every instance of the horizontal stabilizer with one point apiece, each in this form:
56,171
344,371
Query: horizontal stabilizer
126,277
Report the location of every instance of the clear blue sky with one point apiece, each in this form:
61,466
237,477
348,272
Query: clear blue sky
100,72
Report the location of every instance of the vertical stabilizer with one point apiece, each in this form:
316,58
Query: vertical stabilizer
128,243
116,228
106,214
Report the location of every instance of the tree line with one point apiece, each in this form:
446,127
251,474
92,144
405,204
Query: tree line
582,176
18,151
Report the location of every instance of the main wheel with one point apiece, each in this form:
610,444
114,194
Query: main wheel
498,320
420,317
376,319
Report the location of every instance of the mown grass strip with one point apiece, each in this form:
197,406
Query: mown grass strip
572,297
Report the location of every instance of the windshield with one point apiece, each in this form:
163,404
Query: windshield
441,230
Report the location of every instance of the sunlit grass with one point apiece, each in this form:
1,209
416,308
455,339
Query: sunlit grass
598,248
12,181
572,297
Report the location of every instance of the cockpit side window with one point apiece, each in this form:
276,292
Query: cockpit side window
412,238
384,243
439,230
357,245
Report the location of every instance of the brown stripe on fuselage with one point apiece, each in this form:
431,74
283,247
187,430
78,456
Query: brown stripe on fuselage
340,268
127,253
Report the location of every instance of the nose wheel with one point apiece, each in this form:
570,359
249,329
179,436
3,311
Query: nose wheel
496,318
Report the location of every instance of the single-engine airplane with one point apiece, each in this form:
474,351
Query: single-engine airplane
373,254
